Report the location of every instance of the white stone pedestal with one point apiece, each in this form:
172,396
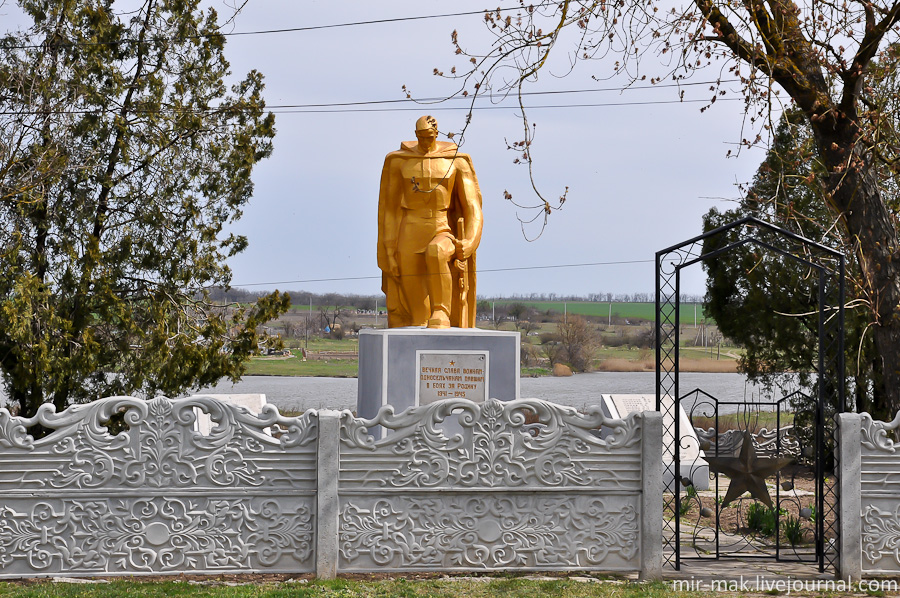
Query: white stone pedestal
405,367
253,402
691,463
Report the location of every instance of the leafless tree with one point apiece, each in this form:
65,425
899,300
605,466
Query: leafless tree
578,341
823,56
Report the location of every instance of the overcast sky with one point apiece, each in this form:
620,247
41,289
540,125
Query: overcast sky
640,174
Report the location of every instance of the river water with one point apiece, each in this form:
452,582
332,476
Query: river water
580,390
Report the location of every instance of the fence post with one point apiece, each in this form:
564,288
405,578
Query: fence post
328,462
849,496
651,495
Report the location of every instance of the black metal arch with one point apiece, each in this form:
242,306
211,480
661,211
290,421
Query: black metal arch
829,266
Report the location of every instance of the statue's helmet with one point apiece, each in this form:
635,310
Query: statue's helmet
426,122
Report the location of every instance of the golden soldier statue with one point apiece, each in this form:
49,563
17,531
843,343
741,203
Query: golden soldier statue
429,226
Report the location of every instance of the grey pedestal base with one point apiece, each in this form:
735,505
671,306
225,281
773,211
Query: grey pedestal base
405,367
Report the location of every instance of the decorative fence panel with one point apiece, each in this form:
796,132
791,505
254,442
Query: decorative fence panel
157,497
125,486
869,476
522,484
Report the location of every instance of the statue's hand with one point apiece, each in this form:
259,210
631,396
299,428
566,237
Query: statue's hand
463,249
393,266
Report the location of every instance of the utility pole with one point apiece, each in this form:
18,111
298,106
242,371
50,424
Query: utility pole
376,312
565,313
610,314
308,314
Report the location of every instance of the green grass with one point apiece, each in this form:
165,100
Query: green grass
753,420
624,353
631,311
338,368
317,343
295,366
392,588
636,311
535,371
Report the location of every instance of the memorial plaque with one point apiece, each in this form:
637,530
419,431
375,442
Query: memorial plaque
626,404
451,376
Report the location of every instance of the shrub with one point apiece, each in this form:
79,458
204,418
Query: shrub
548,338
690,496
578,340
792,530
530,354
762,519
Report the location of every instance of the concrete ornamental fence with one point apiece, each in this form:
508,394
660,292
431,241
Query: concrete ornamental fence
526,485
159,497
869,490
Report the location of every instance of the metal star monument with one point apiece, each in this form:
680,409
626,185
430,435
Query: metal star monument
748,472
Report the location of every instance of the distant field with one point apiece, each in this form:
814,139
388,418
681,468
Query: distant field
632,311
635,311
304,307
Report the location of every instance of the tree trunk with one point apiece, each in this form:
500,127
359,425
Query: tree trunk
856,196
887,344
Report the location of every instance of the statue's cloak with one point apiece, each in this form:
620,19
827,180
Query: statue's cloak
462,314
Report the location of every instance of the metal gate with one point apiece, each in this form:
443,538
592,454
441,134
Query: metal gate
716,450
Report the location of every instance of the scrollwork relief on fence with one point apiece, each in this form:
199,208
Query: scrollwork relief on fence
124,485
879,435
518,484
487,532
768,443
878,478
881,538
526,442
160,534
158,446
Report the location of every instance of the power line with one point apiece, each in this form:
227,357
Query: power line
410,109
429,103
372,22
281,30
493,97
480,270
477,108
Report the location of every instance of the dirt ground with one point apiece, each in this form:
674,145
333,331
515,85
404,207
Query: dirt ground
796,500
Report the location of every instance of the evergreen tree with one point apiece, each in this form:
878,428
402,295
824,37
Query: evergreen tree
123,156
769,303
